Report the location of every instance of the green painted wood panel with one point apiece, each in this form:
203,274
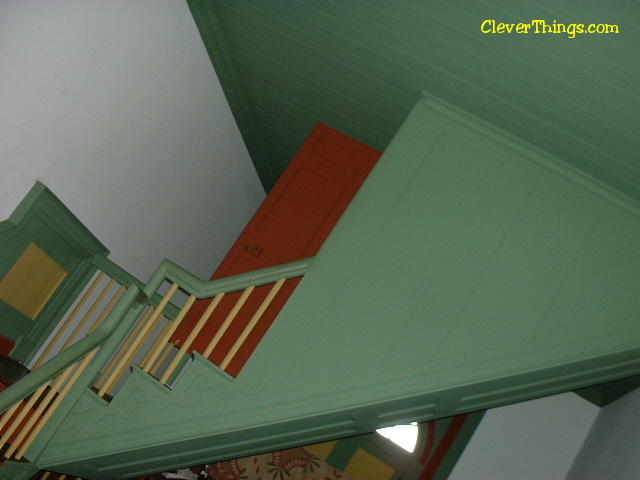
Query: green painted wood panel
479,258
43,219
359,66
469,271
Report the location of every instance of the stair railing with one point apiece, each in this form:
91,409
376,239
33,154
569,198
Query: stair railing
160,357
90,321
101,359
29,403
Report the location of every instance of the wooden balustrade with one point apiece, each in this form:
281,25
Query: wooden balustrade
147,343
21,423
94,304
27,418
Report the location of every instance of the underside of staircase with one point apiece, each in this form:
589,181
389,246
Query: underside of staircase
470,271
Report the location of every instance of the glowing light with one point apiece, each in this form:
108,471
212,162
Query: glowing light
404,435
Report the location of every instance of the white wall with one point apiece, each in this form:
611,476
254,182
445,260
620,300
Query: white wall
535,440
612,448
114,105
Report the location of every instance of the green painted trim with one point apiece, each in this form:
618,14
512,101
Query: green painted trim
125,278
206,289
532,153
43,219
206,15
23,208
118,323
40,197
17,470
167,270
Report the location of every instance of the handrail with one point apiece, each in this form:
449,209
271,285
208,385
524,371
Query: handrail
167,270
205,289
91,354
48,370
123,277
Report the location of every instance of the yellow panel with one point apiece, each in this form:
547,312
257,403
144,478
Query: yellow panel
364,466
321,450
31,281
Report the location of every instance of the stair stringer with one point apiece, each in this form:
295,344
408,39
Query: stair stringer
205,418
470,271
17,470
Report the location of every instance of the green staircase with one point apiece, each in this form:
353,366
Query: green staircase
95,364
86,323
470,271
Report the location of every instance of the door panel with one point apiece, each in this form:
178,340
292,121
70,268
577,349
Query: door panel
292,223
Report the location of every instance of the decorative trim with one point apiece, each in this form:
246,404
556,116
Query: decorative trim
41,218
531,152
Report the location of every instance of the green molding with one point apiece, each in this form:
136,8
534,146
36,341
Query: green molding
208,288
531,152
17,470
41,200
123,277
43,219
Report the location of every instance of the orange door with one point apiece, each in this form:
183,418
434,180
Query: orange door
292,223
